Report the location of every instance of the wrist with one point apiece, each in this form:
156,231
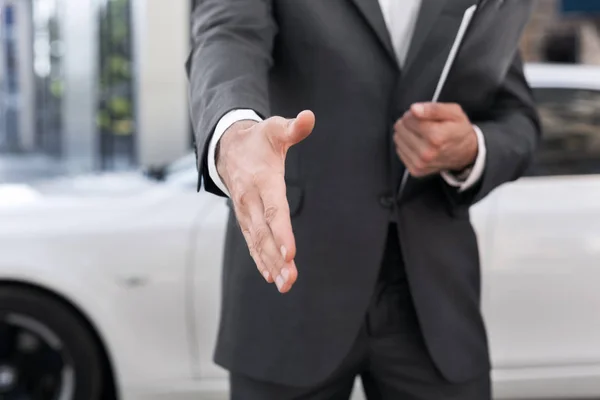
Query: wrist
463,174
229,137
471,147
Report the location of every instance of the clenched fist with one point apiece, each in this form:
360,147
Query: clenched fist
251,163
435,137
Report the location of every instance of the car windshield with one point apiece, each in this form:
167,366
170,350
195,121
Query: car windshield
181,171
183,164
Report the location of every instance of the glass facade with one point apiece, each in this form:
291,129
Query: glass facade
33,37
115,115
93,84
9,110
48,50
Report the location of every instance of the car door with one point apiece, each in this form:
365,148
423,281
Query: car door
543,278
206,266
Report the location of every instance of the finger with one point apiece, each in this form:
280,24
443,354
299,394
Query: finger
415,152
429,131
277,214
258,235
409,159
260,265
262,268
413,164
300,128
284,133
263,242
437,111
406,158
416,125
410,140
289,274
264,246
273,259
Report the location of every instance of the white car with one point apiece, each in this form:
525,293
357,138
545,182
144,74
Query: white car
109,284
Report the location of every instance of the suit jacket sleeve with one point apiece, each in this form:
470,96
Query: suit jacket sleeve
228,67
511,129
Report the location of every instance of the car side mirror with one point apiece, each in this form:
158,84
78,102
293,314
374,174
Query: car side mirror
156,173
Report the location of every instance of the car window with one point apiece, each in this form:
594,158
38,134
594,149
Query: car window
571,132
183,173
184,164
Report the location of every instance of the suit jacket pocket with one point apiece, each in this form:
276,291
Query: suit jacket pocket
295,195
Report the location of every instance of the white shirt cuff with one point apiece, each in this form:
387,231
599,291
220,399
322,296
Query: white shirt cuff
225,123
477,170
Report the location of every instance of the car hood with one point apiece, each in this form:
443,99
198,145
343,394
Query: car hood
77,200
82,187
97,185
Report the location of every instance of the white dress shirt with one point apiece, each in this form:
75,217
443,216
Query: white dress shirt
401,18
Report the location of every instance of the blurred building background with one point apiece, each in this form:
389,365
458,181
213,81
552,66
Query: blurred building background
100,85
92,85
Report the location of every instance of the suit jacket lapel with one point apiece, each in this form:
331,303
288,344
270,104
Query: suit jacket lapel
373,15
430,11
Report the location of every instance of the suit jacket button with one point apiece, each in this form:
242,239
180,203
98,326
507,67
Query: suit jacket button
387,201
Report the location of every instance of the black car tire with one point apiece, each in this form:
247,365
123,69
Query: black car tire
78,342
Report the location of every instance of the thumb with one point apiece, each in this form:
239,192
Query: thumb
300,128
436,111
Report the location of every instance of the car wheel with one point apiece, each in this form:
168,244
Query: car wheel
46,351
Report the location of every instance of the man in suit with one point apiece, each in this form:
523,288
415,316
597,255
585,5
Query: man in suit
386,283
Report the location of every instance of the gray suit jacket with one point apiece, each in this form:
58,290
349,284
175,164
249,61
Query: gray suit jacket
335,57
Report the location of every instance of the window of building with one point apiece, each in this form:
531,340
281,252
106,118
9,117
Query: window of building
115,118
571,132
48,75
9,118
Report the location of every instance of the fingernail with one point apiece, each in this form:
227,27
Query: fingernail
419,109
266,275
279,282
283,251
285,273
